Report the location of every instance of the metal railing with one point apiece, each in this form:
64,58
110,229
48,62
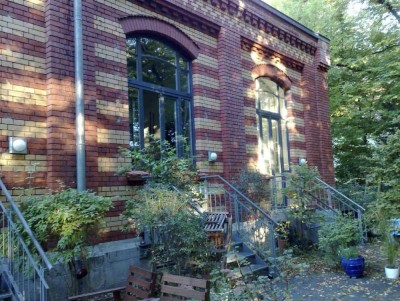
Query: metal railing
319,195
22,267
250,223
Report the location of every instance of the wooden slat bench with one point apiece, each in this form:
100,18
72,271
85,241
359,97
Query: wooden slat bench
139,285
184,288
216,227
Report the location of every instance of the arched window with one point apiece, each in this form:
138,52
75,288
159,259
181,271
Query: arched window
273,134
160,99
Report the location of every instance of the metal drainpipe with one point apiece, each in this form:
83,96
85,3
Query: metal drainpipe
79,99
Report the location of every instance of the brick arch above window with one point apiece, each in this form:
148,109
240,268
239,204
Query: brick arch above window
160,28
273,73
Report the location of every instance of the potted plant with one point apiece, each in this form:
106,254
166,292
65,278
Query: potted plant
353,264
391,268
282,234
338,239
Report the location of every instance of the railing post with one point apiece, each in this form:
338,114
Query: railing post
236,217
272,239
274,193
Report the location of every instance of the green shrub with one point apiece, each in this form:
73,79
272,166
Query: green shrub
68,217
335,236
177,236
163,164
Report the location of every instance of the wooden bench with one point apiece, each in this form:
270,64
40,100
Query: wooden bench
216,227
140,284
184,288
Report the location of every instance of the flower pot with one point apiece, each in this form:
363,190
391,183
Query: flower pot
282,244
392,273
354,267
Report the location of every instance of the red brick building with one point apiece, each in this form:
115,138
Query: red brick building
235,77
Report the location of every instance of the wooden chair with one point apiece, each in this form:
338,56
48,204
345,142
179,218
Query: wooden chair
184,288
139,285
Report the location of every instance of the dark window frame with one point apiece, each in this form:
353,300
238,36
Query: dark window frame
179,96
277,116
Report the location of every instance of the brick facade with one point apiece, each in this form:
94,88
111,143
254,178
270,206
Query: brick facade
231,42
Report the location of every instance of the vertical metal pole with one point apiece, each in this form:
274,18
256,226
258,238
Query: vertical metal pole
79,101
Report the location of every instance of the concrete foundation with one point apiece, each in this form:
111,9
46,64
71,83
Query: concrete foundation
107,267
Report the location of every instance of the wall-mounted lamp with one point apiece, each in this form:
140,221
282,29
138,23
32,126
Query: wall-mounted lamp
212,156
17,145
302,161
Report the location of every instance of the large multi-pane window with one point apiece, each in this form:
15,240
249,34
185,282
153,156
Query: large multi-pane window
159,94
273,135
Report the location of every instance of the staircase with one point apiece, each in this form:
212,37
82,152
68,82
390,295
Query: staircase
253,229
321,196
22,259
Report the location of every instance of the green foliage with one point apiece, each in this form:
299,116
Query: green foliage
392,252
385,174
177,236
300,188
282,230
351,252
338,235
234,285
162,162
69,217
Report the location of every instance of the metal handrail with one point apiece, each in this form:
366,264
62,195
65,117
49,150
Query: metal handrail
25,226
341,194
28,253
250,202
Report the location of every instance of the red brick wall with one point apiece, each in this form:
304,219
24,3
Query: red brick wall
226,42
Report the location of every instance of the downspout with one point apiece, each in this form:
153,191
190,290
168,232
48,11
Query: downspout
79,101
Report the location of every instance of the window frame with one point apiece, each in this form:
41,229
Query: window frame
179,96
269,116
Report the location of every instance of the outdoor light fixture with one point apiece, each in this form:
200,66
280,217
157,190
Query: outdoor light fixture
302,161
212,156
17,145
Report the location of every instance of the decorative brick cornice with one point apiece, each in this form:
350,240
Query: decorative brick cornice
323,67
263,25
146,24
180,15
249,45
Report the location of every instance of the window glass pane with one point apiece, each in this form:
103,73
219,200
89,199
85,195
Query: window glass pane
151,125
267,85
134,126
268,102
285,146
131,57
183,64
184,82
170,120
158,72
156,48
266,154
185,119
275,147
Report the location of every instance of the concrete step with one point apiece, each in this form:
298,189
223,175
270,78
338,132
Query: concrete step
5,296
234,257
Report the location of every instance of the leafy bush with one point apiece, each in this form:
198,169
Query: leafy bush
162,162
177,236
335,236
68,217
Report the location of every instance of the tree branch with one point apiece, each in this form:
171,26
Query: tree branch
390,8
386,48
